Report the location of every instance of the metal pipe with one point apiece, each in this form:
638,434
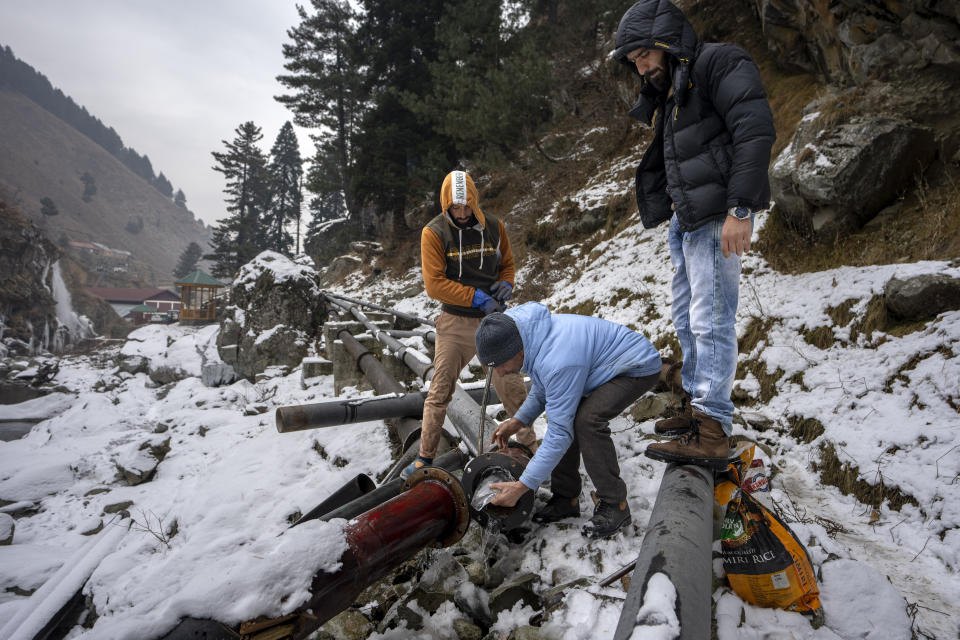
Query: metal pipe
399,314
320,415
376,373
428,336
450,461
417,362
678,544
360,485
433,510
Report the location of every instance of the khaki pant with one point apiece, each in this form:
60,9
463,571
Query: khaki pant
454,349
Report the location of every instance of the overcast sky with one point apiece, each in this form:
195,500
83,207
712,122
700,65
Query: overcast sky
173,78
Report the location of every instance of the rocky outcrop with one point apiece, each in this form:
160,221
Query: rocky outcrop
276,310
27,308
856,40
834,179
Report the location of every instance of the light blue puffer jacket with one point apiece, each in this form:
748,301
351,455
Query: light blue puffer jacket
567,357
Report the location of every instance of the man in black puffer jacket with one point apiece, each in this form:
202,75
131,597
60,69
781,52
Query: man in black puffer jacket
705,172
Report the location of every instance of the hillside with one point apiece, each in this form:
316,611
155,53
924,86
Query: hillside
43,157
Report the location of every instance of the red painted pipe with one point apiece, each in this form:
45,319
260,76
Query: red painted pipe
433,511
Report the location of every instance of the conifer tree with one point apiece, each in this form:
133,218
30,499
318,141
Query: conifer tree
188,260
180,199
286,171
326,78
162,184
238,238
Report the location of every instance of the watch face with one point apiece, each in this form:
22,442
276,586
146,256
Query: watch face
741,213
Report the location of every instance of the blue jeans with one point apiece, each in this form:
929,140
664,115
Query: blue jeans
705,288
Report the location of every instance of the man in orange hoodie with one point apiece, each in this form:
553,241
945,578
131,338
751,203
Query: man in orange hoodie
468,267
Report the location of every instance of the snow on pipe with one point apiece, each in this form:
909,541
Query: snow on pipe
44,610
399,314
359,485
678,544
428,336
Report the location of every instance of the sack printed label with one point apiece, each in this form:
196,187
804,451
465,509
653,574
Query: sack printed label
756,478
780,580
459,187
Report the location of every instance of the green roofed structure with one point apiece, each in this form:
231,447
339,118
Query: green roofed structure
199,293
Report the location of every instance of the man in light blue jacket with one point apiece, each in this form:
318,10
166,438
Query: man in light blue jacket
585,371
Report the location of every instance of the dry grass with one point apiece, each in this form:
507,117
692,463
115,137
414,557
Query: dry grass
848,478
820,337
805,430
841,314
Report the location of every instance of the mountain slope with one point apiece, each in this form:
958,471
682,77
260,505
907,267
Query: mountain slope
43,157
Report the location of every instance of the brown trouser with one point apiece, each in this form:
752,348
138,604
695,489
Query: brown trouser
454,349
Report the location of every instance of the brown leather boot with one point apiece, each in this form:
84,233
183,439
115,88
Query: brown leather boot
705,445
677,425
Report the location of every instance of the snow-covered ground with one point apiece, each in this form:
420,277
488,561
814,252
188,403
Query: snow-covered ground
211,538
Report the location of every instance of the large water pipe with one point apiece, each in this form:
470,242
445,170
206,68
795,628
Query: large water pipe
431,510
356,487
678,544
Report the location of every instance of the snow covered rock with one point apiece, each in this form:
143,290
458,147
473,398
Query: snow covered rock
7,526
276,310
137,463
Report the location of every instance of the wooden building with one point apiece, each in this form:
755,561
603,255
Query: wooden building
199,296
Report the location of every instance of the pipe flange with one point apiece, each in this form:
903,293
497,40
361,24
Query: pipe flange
461,504
510,517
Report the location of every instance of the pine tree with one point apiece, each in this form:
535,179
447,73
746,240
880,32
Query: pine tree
48,208
326,78
180,199
188,260
238,238
162,184
286,172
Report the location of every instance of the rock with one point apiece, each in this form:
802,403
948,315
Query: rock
137,463
92,527
466,630
117,507
526,632
256,409
921,297
7,527
348,625
562,575
835,179
476,573
133,364
757,420
165,375
214,374
276,310
518,590
648,407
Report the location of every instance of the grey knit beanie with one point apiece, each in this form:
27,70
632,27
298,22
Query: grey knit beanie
498,339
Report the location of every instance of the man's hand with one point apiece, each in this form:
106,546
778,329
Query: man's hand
508,493
501,291
483,301
504,430
735,236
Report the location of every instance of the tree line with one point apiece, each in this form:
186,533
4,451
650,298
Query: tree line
21,77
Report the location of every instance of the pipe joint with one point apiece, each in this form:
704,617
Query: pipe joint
461,519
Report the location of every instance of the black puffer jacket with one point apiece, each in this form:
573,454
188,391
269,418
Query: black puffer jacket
713,134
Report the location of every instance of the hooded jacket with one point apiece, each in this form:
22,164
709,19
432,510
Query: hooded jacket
457,261
567,357
713,133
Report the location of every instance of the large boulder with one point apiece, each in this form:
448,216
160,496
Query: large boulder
276,310
832,179
921,297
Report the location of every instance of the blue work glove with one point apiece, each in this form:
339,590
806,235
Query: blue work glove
501,291
485,303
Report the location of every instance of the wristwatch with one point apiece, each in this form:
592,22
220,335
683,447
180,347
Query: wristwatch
740,213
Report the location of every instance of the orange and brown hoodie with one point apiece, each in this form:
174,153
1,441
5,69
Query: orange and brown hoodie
456,262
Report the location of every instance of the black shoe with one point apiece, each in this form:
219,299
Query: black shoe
557,508
608,518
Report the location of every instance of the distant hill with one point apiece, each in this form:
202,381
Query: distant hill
98,198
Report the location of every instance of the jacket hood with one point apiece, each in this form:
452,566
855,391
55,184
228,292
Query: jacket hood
458,188
657,24
533,323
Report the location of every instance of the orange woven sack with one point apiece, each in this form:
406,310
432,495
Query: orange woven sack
765,562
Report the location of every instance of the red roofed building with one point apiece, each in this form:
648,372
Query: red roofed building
123,300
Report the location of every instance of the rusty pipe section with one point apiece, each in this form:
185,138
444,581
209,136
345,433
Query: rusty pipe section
432,511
